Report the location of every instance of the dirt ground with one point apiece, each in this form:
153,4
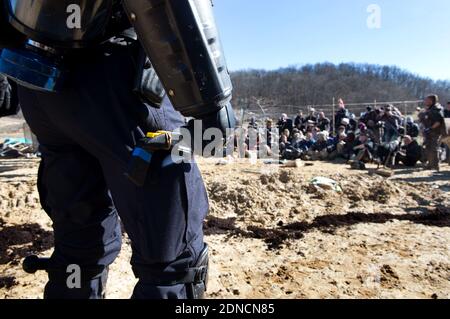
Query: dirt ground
273,234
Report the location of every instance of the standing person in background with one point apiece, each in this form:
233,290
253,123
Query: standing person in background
432,119
341,114
363,149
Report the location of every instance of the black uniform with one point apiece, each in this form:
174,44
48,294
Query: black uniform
87,133
91,92
340,115
432,136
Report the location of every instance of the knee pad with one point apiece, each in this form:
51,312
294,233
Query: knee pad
197,289
194,278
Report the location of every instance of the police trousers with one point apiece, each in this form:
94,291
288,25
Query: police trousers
87,132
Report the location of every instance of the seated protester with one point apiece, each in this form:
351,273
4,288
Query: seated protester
297,138
371,125
315,132
371,115
366,115
336,139
323,123
311,117
389,145
376,131
353,123
341,130
391,120
346,124
285,123
363,149
288,135
319,150
347,150
296,131
299,120
396,112
293,151
412,129
410,153
253,124
307,143
362,128
321,142
310,127
284,143
337,148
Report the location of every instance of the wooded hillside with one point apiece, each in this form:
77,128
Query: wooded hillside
318,84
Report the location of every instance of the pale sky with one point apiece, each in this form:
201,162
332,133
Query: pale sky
413,34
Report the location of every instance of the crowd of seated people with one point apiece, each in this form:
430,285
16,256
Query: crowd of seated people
380,135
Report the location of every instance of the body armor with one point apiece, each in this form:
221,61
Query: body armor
179,38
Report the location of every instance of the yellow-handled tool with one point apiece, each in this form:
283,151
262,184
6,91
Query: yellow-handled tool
143,153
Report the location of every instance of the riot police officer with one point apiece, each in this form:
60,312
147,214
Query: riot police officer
90,90
432,119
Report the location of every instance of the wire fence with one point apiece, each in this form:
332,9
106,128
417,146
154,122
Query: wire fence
261,112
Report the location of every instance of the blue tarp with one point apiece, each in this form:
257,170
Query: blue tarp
12,141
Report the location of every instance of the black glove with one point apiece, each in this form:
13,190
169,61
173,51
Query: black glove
8,97
223,120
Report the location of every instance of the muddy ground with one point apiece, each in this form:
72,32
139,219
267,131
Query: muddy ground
273,235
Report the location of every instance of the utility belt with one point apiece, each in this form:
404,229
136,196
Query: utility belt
150,153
